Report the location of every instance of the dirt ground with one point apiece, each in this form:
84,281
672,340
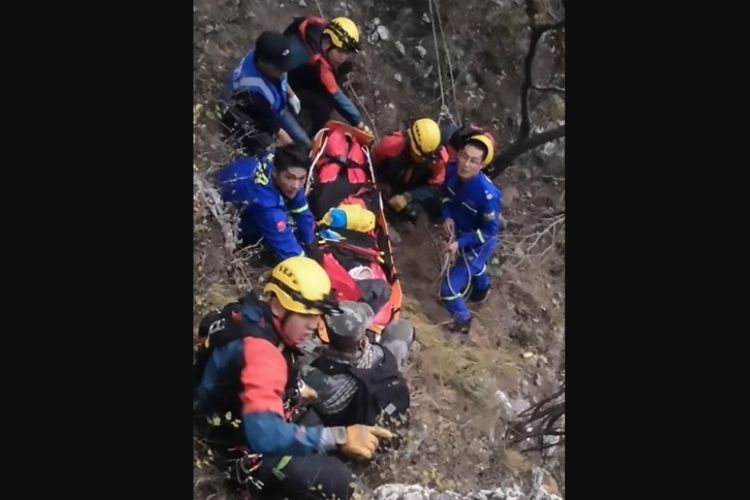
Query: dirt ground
455,435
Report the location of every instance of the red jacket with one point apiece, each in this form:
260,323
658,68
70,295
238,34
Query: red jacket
393,162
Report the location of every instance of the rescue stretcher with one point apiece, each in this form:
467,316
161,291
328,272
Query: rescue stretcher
342,177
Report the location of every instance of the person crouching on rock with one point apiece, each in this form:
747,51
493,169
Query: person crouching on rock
410,168
269,190
358,382
255,99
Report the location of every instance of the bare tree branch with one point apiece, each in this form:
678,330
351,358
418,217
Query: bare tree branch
524,142
551,88
539,421
212,199
537,30
521,146
531,11
560,441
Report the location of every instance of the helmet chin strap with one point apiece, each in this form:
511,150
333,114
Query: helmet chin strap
279,324
326,51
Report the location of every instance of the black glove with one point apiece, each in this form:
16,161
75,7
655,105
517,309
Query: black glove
312,250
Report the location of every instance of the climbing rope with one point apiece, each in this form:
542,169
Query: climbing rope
448,59
447,265
350,88
444,109
319,9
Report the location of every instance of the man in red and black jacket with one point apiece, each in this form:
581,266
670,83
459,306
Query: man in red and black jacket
410,167
319,53
246,366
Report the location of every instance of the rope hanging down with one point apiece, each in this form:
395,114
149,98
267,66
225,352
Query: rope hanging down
444,109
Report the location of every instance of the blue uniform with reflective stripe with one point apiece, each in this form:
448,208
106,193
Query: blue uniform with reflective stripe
474,206
247,182
247,77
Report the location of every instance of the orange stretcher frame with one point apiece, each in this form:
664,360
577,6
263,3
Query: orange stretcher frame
365,140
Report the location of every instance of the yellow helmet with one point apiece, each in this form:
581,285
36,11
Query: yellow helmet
488,142
344,33
424,137
301,286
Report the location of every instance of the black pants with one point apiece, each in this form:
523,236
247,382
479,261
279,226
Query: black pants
294,477
316,108
307,477
291,477
430,209
316,103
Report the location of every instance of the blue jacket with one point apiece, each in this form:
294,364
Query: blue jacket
247,182
473,205
247,77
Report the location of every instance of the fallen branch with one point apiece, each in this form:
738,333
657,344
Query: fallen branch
243,283
550,227
540,422
212,199
558,220
534,409
544,446
235,258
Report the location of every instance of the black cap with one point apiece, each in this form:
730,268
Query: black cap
273,47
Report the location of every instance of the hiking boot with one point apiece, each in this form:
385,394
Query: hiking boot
394,235
411,214
461,326
478,296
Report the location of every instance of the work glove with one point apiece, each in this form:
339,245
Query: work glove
364,128
294,103
359,441
306,393
398,202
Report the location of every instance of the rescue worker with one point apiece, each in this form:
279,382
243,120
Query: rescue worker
355,380
254,100
269,190
247,368
453,137
471,213
410,167
320,52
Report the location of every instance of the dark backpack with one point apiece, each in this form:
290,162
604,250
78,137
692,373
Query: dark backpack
220,328
237,320
381,390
